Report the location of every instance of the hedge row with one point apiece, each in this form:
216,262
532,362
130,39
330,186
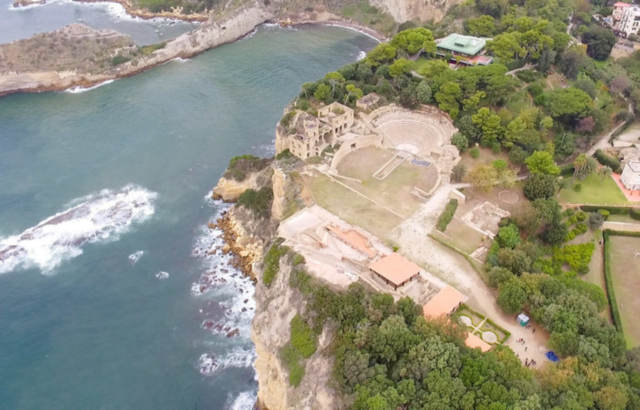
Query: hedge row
615,313
605,159
447,215
614,210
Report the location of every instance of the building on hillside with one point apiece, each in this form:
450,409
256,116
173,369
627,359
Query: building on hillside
466,50
311,135
630,21
444,302
618,10
395,270
630,177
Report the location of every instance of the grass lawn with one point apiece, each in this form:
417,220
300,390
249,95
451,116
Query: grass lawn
462,236
626,283
351,207
393,192
594,191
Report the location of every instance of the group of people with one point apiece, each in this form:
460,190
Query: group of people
528,362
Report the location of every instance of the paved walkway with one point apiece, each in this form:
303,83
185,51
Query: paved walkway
603,142
622,226
416,245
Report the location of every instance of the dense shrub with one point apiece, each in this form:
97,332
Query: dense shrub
239,167
460,141
635,213
529,76
447,215
302,337
458,172
474,152
613,303
271,261
540,186
605,159
259,202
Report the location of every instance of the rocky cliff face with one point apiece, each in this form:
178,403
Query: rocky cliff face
411,10
270,331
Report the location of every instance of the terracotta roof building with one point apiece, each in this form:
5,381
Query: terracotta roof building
395,270
444,302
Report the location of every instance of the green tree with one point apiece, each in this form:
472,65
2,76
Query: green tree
322,93
460,141
511,296
498,275
599,41
516,261
540,186
585,84
458,172
595,221
472,102
500,87
605,172
569,103
352,91
517,155
489,124
400,67
448,96
484,26
424,93
334,78
572,61
483,176
415,39
507,47
382,53
508,236
541,162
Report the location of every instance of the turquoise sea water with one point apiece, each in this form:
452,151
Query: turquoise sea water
96,330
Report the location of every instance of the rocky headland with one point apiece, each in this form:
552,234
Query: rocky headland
78,56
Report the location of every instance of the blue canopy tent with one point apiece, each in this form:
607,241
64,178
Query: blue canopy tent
552,356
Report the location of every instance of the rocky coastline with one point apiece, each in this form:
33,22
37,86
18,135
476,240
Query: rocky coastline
210,34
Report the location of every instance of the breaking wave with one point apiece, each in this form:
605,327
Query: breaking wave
229,304
100,217
245,401
78,90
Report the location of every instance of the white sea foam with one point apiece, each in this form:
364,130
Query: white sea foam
361,55
245,401
162,275
134,257
103,216
228,290
78,90
180,60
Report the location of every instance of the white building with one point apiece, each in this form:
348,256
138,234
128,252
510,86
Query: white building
630,21
630,177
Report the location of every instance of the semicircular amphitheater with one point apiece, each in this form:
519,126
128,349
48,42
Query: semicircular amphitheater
417,134
394,157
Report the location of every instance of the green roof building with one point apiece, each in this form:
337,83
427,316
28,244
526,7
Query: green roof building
463,49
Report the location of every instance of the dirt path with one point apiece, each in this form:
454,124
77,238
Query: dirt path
414,242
